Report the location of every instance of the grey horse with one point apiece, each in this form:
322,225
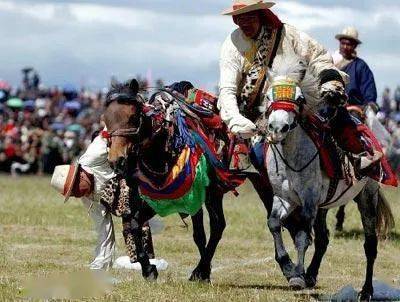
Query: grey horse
301,187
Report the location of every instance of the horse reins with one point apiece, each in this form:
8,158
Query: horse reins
274,148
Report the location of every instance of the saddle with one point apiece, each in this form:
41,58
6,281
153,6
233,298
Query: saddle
331,156
194,131
337,161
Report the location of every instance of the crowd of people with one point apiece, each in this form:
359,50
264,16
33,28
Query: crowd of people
44,127
41,128
389,115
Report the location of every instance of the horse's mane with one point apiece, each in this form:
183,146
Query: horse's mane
295,68
123,93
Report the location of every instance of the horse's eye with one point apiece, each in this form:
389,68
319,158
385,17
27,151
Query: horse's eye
285,128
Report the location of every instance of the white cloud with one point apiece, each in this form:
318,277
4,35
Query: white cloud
308,17
42,11
99,39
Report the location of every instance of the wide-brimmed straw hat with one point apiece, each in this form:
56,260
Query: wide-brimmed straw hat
244,6
63,179
349,33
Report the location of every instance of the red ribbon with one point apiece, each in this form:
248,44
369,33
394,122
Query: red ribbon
105,134
286,106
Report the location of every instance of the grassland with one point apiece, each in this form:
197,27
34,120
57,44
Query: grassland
39,235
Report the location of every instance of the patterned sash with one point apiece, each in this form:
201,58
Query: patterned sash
266,46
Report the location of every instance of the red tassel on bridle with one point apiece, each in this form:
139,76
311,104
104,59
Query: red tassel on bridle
105,134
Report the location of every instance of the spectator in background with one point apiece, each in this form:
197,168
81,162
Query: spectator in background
361,89
397,98
43,127
386,101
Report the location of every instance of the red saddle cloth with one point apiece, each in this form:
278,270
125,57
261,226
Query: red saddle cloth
202,99
330,155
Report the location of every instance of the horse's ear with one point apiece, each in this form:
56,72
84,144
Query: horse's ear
134,86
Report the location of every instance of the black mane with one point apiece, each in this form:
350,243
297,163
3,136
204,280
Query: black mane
124,93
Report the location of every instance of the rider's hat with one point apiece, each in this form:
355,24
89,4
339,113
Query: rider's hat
349,33
244,6
63,179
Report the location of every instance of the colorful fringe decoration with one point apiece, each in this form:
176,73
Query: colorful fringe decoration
194,193
179,180
184,189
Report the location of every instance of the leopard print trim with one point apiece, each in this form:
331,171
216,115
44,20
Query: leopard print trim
254,78
116,197
129,242
130,245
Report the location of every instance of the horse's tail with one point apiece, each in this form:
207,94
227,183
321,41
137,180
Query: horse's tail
385,220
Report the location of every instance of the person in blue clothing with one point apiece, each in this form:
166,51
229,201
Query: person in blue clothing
362,89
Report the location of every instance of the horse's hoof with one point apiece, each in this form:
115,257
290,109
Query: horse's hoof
199,276
151,274
297,283
364,296
311,281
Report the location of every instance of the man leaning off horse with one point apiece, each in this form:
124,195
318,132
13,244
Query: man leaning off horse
248,53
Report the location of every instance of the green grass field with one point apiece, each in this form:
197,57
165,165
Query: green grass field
40,236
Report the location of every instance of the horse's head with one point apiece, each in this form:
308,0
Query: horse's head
125,123
284,104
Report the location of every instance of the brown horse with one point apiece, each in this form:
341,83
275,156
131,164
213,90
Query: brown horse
132,141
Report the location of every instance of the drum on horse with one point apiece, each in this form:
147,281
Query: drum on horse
302,189
164,153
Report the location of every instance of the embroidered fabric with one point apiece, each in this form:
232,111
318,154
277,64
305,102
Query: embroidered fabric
256,74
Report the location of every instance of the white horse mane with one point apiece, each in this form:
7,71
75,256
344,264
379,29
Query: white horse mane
294,68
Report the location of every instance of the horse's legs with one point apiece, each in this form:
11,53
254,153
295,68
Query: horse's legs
217,226
133,231
302,241
302,238
321,242
340,214
281,255
263,189
366,202
199,237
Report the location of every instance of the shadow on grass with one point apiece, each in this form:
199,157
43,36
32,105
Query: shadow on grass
359,234
261,287
306,297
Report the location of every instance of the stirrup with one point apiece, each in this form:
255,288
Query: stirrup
364,162
368,160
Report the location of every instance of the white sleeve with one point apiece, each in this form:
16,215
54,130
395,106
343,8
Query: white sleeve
95,154
316,56
230,77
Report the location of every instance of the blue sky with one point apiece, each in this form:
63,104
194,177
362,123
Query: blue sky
85,42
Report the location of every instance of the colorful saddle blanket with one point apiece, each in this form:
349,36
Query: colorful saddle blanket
332,157
184,188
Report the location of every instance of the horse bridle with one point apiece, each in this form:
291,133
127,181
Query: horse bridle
133,132
297,108
286,105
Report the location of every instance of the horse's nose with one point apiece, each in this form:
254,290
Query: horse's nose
273,128
285,128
